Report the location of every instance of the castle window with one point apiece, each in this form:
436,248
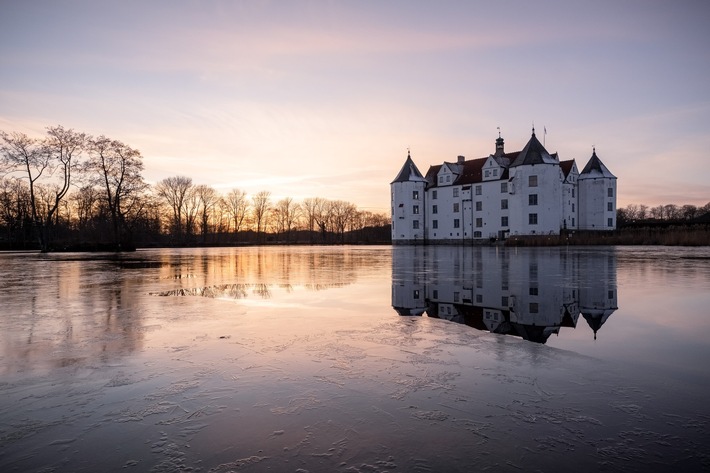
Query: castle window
479,206
532,219
433,194
533,291
456,296
610,294
534,308
504,301
532,199
572,207
416,294
456,192
434,209
415,195
435,294
504,204
610,222
532,181
415,224
573,192
477,235
479,298
503,187
610,206
456,206
573,221
478,190
434,224
610,192
415,209
456,223
504,221
479,222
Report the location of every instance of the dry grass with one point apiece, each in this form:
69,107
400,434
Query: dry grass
697,235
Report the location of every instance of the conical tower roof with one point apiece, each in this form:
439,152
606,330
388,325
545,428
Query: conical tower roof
409,172
534,153
595,169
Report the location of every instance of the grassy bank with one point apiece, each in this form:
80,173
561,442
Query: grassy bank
696,235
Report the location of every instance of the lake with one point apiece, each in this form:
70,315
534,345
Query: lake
356,359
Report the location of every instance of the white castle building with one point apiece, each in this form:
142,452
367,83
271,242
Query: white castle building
528,192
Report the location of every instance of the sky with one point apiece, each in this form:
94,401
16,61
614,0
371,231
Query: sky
325,98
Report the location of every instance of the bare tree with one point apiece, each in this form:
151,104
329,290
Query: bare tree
85,202
52,159
261,202
658,212
221,216
207,199
15,213
238,206
310,208
116,168
689,212
175,191
671,211
642,212
323,216
286,214
341,212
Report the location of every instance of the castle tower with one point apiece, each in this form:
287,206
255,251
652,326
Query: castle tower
500,145
536,188
408,205
597,196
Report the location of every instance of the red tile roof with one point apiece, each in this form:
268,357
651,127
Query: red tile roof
471,170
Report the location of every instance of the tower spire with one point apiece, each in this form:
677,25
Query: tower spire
499,144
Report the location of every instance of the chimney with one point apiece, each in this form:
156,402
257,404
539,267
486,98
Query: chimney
461,159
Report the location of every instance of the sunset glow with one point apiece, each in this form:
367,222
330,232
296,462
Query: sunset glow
323,99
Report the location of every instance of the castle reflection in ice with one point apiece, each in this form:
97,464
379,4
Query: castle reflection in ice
526,292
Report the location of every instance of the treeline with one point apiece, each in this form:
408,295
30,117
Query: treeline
70,190
635,214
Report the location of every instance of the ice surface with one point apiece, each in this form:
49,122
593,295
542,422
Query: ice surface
101,374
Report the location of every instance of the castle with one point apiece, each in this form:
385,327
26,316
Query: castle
528,192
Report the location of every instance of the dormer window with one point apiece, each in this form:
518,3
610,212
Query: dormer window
448,178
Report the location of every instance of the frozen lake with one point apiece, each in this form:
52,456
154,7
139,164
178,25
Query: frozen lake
356,359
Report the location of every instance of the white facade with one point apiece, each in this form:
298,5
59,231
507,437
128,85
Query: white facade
529,192
597,196
408,198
